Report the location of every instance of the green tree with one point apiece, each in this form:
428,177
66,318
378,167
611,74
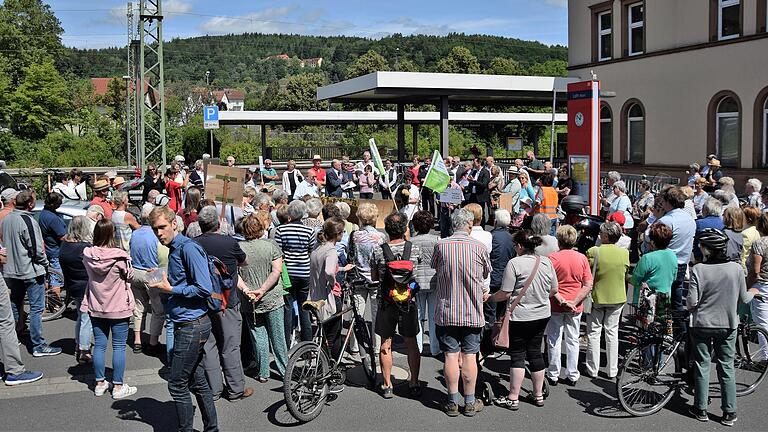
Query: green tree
30,33
39,105
459,60
558,68
114,100
194,139
405,65
300,93
504,66
367,63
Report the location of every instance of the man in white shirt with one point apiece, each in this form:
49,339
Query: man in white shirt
360,167
308,186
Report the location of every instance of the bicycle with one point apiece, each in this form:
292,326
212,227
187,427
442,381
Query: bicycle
652,371
311,370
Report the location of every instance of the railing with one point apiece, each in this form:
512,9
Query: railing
304,153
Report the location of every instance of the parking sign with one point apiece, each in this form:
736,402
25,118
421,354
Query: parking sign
210,117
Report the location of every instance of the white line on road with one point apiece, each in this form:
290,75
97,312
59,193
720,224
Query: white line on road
74,384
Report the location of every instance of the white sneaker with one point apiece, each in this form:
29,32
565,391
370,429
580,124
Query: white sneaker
100,389
123,392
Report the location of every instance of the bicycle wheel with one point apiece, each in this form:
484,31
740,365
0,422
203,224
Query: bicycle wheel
367,354
304,387
748,363
55,305
646,381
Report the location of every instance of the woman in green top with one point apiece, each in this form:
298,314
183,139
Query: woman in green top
263,291
609,293
655,273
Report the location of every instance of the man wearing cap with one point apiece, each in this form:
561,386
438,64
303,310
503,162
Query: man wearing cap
100,191
268,173
514,186
318,170
25,269
9,203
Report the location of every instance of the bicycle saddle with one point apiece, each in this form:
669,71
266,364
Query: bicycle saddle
313,305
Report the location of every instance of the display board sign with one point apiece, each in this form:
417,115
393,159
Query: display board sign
505,201
224,183
452,196
385,208
210,117
584,137
514,144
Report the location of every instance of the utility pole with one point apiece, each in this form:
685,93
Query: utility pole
130,104
210,99
152,145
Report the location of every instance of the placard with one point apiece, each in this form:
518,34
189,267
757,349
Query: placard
506,201
215,178
385,208
452,196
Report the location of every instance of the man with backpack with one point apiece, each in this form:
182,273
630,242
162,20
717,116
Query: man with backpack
222,351
394,265
462,264
190,287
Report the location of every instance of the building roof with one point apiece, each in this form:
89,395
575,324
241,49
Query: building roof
423,88
379,117
101,85
232,95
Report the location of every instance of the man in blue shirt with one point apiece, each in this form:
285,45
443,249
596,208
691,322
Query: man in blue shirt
189,284
54,229
683,231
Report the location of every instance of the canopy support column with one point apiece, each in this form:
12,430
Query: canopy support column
400,133
264,141
444,126
415,138
552,130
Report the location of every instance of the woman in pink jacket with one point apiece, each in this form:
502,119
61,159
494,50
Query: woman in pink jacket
109,302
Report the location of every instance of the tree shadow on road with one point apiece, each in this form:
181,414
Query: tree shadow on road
148,411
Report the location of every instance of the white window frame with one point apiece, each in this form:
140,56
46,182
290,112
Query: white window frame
718,116
765,132
601,32
629,130
631,26
602,121
722,4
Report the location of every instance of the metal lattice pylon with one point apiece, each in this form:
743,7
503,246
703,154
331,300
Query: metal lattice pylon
152,124
131,108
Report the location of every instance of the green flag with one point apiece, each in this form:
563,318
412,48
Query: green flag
376,156
437,177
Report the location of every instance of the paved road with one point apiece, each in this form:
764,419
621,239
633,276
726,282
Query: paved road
63,401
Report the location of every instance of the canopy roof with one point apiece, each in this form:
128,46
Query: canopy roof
378,117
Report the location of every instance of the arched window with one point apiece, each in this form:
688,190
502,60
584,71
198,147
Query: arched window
727,131
606,134
634,136
764,134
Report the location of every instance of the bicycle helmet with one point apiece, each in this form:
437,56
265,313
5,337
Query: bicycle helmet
713,239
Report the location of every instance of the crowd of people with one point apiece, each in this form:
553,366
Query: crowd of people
694,248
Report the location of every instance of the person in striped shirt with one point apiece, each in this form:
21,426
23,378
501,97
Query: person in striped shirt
462,264
297,241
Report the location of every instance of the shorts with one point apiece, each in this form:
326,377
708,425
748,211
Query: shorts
453,339
56,277
403,319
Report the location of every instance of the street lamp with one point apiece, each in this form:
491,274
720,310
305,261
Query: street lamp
210,99
127,80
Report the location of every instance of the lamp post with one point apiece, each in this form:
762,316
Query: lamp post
127,80
210,99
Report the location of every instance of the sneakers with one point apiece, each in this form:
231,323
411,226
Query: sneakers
100,389
472,409
22,378
451,409
700,415
124,391
729,419
45,350
387,392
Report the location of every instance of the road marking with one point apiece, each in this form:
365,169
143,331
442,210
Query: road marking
74,384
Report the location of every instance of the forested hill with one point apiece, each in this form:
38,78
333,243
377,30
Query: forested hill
238,59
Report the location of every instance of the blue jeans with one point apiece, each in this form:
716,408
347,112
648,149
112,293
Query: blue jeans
187,374
83,328
35,290
101,329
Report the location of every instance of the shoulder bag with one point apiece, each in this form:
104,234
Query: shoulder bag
500,330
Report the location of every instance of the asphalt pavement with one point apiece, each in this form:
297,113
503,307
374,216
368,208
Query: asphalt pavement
64,401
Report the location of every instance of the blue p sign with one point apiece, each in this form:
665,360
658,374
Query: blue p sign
211,117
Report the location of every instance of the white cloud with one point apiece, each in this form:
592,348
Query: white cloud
558,3
176,6
286,19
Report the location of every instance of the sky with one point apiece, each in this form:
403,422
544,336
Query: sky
102,23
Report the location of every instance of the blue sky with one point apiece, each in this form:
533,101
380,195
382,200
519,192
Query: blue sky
102,23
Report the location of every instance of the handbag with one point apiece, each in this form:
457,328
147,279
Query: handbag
500,330
588,299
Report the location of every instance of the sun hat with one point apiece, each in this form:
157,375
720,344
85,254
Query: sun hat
100,185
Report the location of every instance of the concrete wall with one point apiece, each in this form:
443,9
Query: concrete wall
675,89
